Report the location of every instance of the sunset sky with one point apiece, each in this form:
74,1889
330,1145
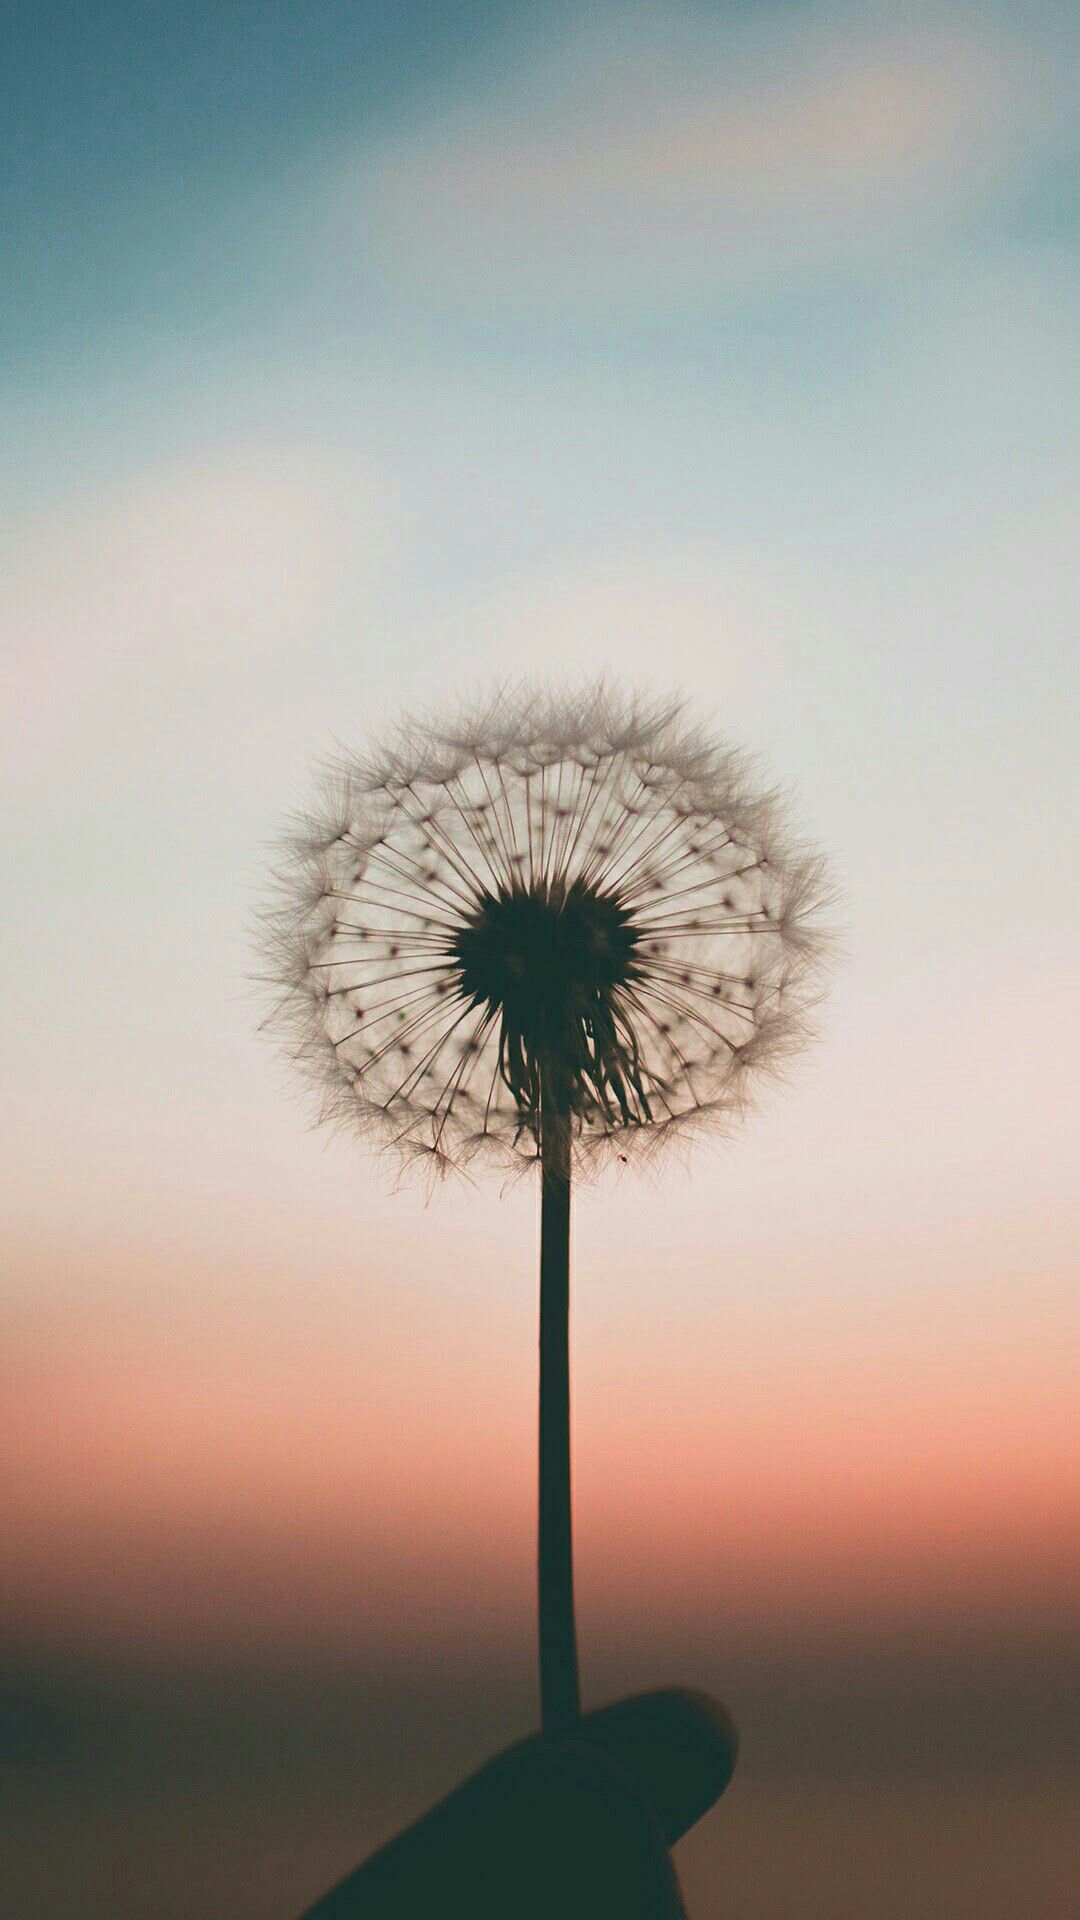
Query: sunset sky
355,356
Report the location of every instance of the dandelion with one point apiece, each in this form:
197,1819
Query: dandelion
550,931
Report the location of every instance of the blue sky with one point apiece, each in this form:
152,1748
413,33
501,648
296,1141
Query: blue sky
356,355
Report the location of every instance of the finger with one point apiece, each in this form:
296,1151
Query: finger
680,1746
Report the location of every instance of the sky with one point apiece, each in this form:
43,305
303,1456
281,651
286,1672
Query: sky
354,357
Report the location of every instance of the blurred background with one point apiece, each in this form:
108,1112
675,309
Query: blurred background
355,355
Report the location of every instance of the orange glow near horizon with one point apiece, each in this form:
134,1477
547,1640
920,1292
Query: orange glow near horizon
167,1494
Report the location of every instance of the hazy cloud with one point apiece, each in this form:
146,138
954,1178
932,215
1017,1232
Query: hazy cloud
125,608
648,158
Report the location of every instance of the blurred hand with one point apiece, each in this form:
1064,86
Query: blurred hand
579,1829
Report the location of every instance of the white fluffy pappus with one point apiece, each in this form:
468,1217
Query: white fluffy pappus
576,903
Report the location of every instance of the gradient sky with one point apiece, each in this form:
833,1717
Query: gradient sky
353,356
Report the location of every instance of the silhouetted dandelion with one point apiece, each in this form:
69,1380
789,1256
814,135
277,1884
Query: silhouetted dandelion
550,930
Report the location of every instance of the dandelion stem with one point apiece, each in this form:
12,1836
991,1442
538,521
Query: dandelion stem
560,1699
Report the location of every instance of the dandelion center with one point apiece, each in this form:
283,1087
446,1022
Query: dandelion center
547,960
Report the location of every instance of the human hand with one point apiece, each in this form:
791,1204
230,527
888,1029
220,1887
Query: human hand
578,1827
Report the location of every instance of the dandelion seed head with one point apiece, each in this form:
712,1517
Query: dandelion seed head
583,901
